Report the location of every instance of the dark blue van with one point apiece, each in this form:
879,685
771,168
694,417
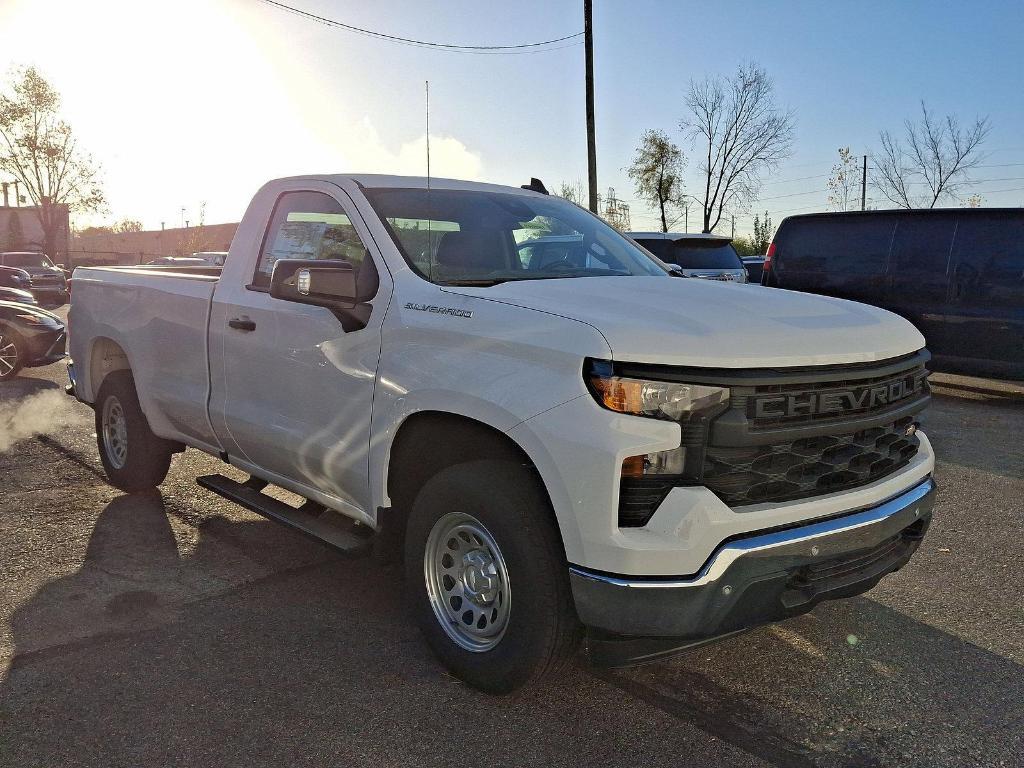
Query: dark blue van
957,274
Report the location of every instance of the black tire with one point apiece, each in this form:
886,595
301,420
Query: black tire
8,339
542,630
145,458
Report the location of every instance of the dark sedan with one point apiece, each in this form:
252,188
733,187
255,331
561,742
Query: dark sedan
48,282
29,336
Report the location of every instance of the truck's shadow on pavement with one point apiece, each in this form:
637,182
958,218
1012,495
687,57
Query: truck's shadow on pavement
248,645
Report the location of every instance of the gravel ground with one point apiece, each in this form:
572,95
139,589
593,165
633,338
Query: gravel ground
174,628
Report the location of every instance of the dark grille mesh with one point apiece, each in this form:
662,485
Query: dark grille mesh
809,466
639,497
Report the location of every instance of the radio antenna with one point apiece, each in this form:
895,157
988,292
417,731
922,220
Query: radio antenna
430,245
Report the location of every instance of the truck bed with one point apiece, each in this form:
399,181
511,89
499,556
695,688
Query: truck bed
157,318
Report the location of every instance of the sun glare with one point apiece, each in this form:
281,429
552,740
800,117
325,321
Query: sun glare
202,100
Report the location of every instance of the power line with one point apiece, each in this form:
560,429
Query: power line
452,47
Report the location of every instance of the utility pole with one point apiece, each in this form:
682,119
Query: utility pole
734,226
588,45
686,218
6,200
17,194
864,184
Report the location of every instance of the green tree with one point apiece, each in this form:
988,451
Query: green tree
127,225
41,151
763,233
744,246
657,173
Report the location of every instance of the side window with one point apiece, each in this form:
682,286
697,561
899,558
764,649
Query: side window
989,253
922,245
310,225
840,244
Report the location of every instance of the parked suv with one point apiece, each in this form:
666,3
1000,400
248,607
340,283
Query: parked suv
958,275
49,284
697,255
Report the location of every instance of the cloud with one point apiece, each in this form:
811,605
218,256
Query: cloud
449,157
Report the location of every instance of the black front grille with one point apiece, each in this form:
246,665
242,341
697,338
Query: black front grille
789,433
809,466
773,405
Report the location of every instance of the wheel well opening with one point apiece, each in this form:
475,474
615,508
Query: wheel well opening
107,357
429,442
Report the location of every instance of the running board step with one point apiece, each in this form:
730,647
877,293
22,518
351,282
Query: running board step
325,525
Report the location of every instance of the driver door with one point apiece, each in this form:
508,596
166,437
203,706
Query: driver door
292,384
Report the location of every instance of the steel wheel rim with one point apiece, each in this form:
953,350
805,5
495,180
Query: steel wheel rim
8,355
467,582
115,433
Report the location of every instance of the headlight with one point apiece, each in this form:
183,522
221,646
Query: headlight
670,400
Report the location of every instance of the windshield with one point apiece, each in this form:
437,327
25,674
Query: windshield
462,237
25,260
695,253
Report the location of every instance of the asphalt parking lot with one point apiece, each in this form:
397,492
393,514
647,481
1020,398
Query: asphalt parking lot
174,628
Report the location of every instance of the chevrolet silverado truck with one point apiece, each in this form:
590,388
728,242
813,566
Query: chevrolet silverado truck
559,452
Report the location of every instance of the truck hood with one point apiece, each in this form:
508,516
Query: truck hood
703,323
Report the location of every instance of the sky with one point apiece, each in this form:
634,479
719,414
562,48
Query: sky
201,101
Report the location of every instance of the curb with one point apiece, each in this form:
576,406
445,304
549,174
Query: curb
975,385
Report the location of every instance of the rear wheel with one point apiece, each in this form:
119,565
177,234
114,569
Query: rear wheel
133,458
486,576
11,354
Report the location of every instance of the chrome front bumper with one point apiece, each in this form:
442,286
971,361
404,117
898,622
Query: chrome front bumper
760,578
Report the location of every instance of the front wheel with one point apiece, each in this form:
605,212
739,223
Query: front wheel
133,458
486,576
11,354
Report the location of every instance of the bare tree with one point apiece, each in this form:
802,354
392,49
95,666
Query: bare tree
573,192
844,182
740,133
935,154
194,239
40,151
657,172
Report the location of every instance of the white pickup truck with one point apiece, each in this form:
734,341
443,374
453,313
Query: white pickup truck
563,445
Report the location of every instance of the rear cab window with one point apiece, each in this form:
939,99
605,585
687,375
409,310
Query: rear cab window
695,253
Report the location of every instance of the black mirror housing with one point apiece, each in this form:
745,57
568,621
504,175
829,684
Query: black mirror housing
327,283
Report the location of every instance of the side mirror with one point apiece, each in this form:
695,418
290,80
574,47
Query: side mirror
675,270
327,283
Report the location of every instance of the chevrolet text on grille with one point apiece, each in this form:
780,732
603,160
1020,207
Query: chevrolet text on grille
837,401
